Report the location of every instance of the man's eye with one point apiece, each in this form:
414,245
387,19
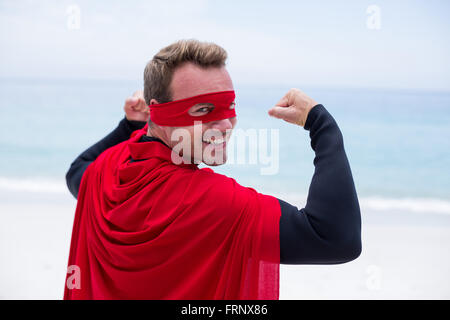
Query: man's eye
204,109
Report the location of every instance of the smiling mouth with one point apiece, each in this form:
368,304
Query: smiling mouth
215,142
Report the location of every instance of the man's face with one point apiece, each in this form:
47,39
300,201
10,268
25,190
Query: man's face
191,80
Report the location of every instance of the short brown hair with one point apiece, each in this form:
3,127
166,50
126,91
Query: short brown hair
159,71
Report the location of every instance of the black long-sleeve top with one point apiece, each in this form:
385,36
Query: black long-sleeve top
326,231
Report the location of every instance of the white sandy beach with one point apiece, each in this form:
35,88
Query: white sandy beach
400,259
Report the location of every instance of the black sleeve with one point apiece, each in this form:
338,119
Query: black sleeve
328,229
79,165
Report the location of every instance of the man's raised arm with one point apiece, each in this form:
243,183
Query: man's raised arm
136,115
328,229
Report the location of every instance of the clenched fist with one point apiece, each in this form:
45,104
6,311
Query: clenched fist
293,107
135,107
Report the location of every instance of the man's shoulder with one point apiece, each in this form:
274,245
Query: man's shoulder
222,184
112,155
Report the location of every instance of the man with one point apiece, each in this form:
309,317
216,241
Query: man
150,224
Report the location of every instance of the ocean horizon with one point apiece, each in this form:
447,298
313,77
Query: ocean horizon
397,141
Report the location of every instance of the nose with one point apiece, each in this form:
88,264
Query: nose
222,125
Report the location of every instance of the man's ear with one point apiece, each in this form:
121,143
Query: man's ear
153,101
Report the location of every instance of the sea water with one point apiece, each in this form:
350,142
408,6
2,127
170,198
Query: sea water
397,141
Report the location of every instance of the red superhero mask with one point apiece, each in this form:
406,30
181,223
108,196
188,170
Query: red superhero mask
175,113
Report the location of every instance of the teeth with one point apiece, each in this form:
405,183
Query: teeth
216,141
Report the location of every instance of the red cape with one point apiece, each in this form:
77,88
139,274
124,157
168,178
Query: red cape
151,229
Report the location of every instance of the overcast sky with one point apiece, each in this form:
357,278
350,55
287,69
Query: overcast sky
399,44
